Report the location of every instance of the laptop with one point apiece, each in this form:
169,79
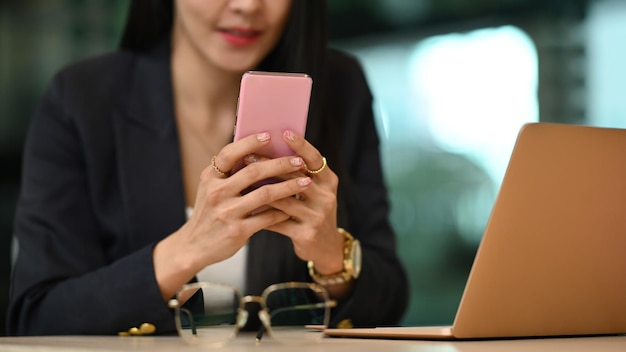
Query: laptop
552,259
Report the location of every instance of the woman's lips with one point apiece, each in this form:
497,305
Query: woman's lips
240,36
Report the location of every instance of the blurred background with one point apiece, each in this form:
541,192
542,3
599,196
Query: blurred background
453,82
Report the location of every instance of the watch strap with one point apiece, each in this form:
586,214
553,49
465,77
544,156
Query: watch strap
338,278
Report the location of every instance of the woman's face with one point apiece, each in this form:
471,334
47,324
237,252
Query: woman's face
231,35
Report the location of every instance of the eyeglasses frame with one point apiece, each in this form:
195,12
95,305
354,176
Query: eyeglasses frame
242,313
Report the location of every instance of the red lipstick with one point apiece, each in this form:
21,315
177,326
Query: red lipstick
240,36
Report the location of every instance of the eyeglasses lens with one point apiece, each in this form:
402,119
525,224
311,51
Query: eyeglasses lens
297,313
209,313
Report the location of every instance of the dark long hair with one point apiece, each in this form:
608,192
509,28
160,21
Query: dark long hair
302,47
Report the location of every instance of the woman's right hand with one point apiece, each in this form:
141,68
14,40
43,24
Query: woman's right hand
222,221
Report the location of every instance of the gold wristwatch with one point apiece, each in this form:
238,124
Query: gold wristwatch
351,263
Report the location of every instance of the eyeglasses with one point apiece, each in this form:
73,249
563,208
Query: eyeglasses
212,314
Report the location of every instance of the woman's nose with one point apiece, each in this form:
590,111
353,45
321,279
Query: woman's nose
245,6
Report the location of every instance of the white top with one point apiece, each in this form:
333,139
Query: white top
231,271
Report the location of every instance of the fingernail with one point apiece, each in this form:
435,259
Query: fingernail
249,159
289,135
304,181
296,161
262,137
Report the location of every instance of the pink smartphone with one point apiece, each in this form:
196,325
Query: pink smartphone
272,102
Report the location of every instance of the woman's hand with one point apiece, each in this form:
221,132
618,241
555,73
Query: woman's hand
312,222
222,222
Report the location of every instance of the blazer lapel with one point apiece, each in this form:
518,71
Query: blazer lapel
149,156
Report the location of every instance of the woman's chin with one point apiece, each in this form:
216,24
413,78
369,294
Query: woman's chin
237,62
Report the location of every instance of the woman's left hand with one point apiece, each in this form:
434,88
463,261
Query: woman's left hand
312,226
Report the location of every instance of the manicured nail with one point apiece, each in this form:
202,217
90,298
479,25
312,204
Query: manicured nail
249,159
289,135
262,137
296,161
304,181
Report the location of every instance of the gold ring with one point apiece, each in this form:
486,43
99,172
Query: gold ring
217,169
314,172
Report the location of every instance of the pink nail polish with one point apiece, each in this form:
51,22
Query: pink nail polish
262,137
296,161
289,135
305,181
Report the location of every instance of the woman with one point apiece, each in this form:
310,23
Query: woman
123,144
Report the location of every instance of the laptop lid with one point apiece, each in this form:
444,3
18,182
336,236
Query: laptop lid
552,260
553,256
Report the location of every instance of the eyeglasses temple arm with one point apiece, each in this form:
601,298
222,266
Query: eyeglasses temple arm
191,322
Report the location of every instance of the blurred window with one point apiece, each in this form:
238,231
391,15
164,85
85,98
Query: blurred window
449,108
606,70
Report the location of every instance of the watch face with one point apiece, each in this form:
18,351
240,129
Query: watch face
356,258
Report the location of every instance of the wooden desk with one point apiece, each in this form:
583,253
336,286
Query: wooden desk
247,343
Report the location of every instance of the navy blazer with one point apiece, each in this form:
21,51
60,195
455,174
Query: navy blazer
102,184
